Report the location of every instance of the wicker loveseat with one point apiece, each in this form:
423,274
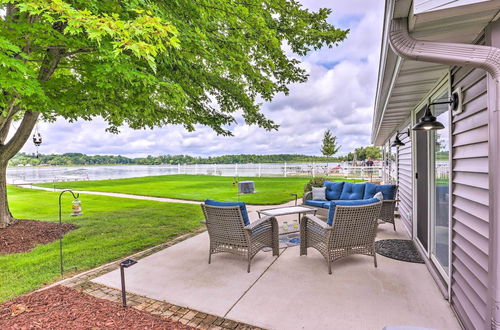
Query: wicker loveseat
339,191
230,230
349,229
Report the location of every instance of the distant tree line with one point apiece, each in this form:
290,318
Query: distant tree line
69,159
362,153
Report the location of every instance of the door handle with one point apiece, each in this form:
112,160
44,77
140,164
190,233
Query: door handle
416,175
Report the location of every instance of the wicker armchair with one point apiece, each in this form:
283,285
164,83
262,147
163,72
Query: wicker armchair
228,232
353,232
386,212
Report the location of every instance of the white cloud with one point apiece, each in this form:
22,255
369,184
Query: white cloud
338,96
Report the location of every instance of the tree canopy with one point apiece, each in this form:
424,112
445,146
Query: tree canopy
148,63
362,153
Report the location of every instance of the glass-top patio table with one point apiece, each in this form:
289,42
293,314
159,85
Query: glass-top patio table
280,211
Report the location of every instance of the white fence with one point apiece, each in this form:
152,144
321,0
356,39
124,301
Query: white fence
58,174
284,169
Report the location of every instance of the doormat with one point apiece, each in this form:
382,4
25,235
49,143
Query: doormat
399,249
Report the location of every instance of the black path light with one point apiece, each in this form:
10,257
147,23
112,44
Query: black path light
76,207
397,142
125,264
429,122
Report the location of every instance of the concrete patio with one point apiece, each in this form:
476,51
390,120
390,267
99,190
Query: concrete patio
290,291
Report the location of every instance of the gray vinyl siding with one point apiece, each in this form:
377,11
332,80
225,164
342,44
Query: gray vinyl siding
470,198
405,182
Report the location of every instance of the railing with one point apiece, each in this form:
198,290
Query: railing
81,173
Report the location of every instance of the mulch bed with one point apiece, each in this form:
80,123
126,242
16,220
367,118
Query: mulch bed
24,235
64,308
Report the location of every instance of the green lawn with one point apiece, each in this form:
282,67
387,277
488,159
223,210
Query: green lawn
109,229
269,190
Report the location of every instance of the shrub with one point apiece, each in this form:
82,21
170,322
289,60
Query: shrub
314,182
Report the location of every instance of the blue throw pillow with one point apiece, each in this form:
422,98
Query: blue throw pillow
353,191
333,190
331,211
242,206
370,190
388,190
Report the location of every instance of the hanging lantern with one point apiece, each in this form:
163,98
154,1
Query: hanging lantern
76,207
37,140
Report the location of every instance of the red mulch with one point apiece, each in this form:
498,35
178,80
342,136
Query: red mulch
24,235
64,308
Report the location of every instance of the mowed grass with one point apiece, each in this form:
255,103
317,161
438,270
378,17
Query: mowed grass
109,229
269,190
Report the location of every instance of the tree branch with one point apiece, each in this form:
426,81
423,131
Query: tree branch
22,134
79,51
4,131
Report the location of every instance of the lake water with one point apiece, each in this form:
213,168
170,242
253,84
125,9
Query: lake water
20,175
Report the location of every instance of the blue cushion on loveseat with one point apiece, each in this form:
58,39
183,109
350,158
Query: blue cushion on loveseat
331,211
242,206
333,190
353,191
388,190
323,204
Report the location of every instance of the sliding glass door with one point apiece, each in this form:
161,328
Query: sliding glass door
432,179
440,187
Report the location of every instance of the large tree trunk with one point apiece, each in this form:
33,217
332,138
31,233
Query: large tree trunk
7,151
13,146
6,217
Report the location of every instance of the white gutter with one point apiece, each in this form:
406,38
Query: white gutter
488,59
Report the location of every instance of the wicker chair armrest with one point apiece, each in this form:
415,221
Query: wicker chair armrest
387,201
260,221
307,196
317,221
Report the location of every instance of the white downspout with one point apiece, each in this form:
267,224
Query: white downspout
488,59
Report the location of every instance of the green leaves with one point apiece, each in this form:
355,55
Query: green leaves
146,63
145,35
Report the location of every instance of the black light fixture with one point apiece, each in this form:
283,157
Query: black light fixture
428,121
125,264
397,142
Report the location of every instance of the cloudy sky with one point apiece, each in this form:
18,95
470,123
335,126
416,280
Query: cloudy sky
338,96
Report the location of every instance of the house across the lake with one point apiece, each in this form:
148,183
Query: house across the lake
446,55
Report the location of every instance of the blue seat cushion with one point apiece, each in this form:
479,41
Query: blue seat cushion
353,191
331,211
333,190
242,206
322,204
388,190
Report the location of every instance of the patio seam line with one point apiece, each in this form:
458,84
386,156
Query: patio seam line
256,280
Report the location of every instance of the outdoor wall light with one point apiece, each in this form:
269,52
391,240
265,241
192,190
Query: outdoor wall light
429,122
397,142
